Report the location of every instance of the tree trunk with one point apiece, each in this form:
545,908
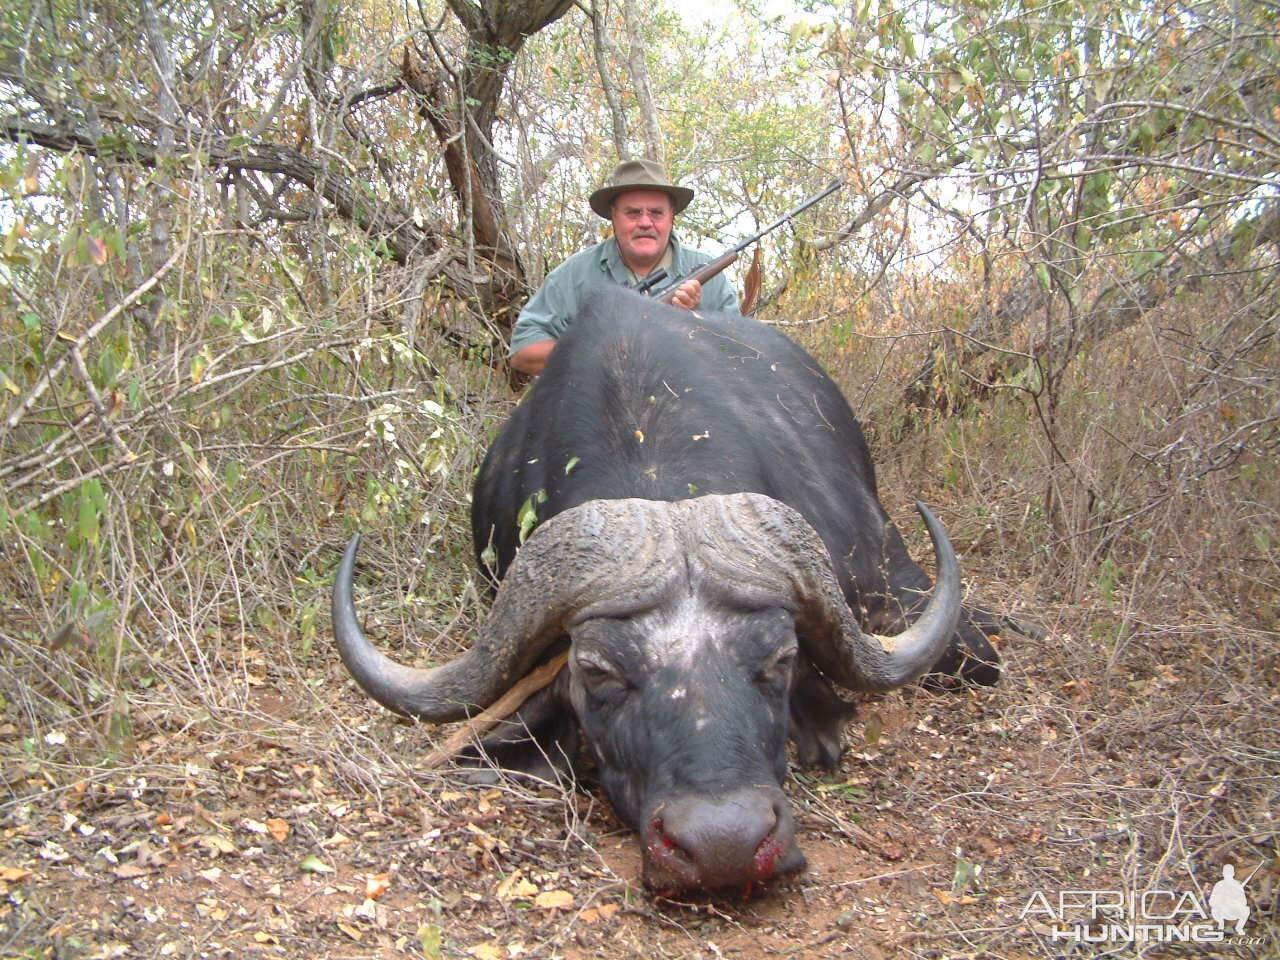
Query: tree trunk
461,106
653,148
161,217
603,46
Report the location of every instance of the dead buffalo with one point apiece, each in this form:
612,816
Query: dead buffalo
711,549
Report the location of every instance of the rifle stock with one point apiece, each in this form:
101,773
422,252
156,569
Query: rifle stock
702,275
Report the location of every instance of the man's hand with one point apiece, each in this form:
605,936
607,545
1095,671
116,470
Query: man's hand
532,358
688,295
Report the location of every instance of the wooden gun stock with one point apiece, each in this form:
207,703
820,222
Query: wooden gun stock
702,275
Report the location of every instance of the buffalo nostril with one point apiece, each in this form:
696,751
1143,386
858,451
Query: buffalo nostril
765,862
726,840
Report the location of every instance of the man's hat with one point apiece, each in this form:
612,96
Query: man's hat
638,175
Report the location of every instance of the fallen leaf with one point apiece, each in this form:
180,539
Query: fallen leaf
516,886
216,844
146,855
128,871
430,936
376,885
210,910
278,828
13,874
483,839
313,864
485,951
554,900
602,912
54,852
350,931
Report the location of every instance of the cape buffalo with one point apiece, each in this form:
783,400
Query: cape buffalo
711,549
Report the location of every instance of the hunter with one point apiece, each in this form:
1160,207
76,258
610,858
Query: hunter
641,202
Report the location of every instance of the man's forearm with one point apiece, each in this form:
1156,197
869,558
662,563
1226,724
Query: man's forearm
532,358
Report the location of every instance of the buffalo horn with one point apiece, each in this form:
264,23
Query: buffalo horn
601,555
756,542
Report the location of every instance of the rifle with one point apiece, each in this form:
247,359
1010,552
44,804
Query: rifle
709,270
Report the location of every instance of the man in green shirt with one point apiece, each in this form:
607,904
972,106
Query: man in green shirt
641,202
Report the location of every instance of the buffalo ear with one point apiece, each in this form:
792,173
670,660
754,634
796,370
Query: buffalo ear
818,717
540,740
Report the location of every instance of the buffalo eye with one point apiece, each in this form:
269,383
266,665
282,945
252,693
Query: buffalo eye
777,670
600,677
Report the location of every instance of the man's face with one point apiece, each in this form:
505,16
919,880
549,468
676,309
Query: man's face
642,223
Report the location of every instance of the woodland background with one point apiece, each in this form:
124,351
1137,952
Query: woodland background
258,263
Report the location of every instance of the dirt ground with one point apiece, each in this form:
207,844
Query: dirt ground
300,824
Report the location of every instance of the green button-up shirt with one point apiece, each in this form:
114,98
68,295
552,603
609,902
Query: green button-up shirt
550,311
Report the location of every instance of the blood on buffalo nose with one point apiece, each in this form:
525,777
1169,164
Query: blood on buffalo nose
713,842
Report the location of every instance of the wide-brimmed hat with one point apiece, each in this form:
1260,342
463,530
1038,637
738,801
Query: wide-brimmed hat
638,175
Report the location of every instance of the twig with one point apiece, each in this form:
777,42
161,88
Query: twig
505,705
132,460
884,876
94,329
104,416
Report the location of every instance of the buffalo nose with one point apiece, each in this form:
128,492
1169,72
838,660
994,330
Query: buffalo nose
723,841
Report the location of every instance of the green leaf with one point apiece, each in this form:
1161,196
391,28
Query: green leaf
199,363
1108,578
96,493
966,875
527,517
430,936
8,384
87,520
119,728
1042,274
873,728
313,864
108,368
568,467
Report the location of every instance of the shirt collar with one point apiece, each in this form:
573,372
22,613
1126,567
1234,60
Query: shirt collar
611,259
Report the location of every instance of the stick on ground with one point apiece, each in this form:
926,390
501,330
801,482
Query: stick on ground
503,707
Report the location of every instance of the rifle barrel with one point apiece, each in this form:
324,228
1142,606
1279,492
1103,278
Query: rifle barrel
731,254
800,208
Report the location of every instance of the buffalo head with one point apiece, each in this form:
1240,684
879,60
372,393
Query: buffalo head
692,626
